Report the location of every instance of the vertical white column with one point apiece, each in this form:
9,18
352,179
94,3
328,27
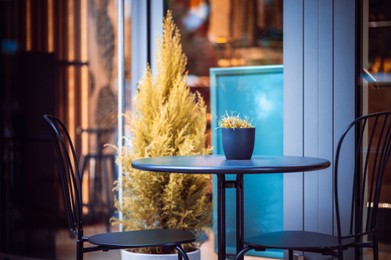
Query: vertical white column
319,101
293,108
344,88
325,120
139,42
156,23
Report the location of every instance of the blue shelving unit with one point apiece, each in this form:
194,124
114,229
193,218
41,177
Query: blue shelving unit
258,93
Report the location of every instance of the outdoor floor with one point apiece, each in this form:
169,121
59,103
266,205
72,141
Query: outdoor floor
65,247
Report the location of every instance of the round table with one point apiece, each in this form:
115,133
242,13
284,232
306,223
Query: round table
217,164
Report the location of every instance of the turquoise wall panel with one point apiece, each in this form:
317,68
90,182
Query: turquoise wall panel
256,92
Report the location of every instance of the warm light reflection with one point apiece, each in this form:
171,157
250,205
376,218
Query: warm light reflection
380,205
28,25
84,107
71,102
71,70
71,31
195,3
223,63
84,91
50,26
84,30
84,71
221,40
381,64
234,62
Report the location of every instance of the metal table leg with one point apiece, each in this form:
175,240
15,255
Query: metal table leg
223,184
221,236
239,214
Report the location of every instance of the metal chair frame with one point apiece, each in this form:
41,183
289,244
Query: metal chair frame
372,151
72,192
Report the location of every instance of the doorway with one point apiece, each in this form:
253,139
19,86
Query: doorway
375,89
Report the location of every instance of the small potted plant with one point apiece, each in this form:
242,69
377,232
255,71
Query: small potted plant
238,136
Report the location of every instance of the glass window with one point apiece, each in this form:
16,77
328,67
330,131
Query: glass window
227,33
375,90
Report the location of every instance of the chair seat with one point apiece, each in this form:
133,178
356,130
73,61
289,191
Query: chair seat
142,238
296,240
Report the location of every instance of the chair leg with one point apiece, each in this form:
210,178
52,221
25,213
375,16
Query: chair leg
242,252
106,182
375,250
79,249
181,253
340,254
85,162
83,165
290,254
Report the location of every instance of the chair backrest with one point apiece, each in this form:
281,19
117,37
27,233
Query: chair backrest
69,173
371,135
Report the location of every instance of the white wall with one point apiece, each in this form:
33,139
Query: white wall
319,102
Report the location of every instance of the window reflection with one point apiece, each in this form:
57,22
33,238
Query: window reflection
379,37
375,91
226,33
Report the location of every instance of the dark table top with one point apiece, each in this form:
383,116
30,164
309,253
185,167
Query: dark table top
218,164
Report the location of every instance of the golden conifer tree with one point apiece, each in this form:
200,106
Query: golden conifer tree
167,119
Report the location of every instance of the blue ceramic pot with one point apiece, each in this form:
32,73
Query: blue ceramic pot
238,143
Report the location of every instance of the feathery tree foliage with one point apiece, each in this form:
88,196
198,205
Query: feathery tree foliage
167,119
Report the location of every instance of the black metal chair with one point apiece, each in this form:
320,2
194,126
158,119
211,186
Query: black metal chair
368,160
72,191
